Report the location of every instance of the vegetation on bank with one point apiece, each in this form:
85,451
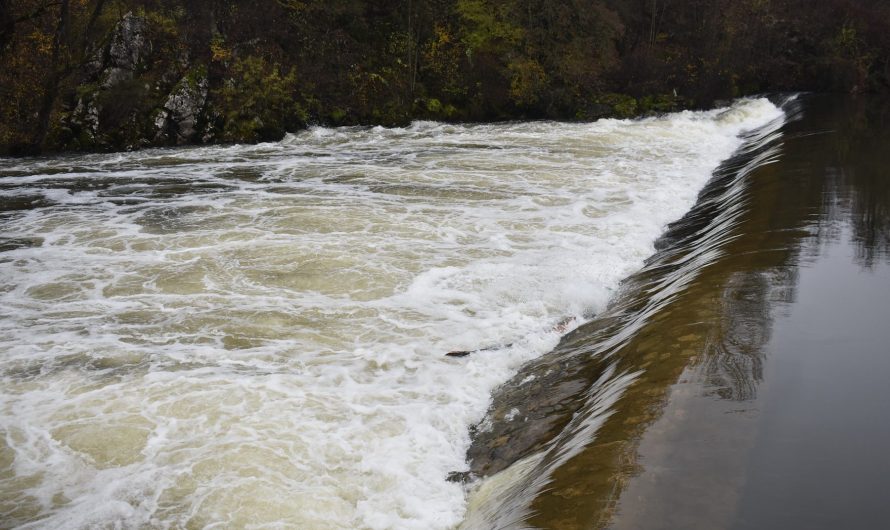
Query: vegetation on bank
122,74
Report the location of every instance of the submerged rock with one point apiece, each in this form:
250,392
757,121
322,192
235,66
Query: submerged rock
13,243
538,402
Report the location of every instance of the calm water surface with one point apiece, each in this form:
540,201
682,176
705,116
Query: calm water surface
784,421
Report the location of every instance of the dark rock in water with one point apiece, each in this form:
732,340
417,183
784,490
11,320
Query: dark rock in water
461,477
563,324
7,244
23,202
464,353
538,402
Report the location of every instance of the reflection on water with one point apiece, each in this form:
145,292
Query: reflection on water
861,191
797,434
706,423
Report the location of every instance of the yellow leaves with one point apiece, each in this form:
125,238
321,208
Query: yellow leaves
293,5
440,42
439,55
489,23
442,57
443,36
218,50
846,38
41,42
528,82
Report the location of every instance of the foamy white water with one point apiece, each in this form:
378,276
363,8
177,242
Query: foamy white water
254,336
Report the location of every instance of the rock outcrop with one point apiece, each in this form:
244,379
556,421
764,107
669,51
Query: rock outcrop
129,46
180,118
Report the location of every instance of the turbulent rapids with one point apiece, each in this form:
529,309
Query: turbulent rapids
256,335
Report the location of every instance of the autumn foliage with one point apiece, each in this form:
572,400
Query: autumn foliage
114,74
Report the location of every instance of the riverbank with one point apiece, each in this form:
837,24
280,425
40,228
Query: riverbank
109,75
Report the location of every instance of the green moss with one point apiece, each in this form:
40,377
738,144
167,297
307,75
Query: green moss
196,75
338,115
434,105
86,90
623,106
659,103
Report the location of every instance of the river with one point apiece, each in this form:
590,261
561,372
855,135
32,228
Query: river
238,336
738,380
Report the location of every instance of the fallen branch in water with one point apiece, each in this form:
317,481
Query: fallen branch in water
560,327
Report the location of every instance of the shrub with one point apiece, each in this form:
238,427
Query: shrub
258,102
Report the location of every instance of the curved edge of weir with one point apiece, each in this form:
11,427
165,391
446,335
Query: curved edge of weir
587,392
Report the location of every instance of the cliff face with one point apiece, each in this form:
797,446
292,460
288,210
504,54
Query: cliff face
112,74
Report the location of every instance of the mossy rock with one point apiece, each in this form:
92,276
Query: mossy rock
622,105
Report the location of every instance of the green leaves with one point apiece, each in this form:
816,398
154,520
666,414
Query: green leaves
258,101
489,25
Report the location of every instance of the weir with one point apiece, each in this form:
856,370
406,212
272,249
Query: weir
568,421
257,334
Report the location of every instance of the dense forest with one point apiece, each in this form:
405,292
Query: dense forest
123,74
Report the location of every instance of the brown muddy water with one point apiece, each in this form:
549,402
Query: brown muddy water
256,336
784,421
742,378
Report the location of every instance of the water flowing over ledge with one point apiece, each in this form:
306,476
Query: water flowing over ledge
555,405
255,334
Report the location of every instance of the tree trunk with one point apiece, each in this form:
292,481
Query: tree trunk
51,87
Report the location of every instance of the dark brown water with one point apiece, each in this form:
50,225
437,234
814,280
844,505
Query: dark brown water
785,421
760,384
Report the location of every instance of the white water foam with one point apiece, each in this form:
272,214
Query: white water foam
254,336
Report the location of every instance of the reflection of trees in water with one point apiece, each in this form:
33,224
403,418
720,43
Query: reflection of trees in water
862,187
868,213
826,183
870,219
735,351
